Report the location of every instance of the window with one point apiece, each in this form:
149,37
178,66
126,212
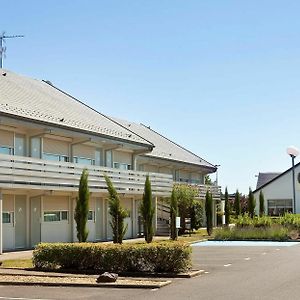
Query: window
55,157
83,160
19,145
122,166
35,147
98,157
6,150
91,216
108,158
55,216
279,207
7,217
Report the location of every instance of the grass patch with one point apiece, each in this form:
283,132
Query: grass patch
198,235
274,233
17,263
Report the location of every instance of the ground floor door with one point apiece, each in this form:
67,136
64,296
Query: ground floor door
35,222
20,221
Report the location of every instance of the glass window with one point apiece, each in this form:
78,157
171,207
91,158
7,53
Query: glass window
64,216
91,215
98,160
19,145
83,160
6,150
49,156
7,217
279,207
51,216
108,158
35,147
122,166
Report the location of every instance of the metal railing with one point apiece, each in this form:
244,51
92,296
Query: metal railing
33,173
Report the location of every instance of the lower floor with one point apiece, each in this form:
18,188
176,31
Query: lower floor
30,219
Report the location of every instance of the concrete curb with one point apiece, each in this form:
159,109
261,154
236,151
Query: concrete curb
96,285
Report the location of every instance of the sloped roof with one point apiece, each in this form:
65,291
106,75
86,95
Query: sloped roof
264,178
41,101
165,148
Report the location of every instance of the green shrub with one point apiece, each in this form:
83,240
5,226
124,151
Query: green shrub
263,221
154,257
290,220
247,221
277,233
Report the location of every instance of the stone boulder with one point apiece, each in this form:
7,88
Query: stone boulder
107,277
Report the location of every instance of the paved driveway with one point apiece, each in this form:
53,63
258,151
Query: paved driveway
232,273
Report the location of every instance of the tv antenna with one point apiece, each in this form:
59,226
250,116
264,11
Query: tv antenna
3,37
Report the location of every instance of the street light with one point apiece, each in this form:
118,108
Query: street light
293,152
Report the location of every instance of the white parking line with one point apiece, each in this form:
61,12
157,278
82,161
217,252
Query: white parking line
228,265
264,253
277,249
247,258
206,272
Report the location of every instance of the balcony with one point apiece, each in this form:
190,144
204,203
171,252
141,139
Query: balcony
31,173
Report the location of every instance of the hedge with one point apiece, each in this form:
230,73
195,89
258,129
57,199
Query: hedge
153,257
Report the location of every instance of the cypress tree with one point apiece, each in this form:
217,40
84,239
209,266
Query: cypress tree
261,204
208,212
173,215
117,212
147,211
82,207
251,204
227,208
237,203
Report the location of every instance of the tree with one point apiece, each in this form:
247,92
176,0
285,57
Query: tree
261,204
197,214
237,203
207,180
117,212
209,212
227,208
147,211
173,215
251,204
82,207
185,195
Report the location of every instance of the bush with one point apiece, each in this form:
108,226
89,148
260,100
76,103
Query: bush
277,233
290,220
154,257
246,221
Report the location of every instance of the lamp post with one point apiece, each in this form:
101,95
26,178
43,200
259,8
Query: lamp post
293,152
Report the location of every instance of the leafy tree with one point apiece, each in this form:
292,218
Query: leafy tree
173,215
185,195
227,208
207,180
237,203
147,211
261,204
82,207
197,214
117,212
251,204
209,212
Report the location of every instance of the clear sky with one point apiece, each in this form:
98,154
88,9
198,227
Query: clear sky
221,78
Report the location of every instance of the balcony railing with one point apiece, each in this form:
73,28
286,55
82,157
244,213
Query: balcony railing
32,173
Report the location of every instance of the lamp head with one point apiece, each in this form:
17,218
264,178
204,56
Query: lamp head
292,151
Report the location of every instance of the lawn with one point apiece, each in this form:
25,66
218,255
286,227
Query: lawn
17,263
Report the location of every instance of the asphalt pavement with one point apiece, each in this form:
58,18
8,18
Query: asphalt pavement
231,273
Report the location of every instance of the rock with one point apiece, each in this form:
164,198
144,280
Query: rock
107,277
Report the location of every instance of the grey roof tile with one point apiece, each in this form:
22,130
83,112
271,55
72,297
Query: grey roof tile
264,178
165,148
39,100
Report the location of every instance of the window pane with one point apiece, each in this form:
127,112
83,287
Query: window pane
35,147
51,216
109,158
98,160
49,156
64,215
6,218
5,150
19,145
84,161
91,215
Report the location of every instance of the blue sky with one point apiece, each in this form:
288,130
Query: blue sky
219,77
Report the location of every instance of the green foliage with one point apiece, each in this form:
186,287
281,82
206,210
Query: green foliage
237,203
197,214
173,215
227,208
290,220
154,257
82,207
261,204
251,204
185,195
209,212
207,180
117,212
276,233
147,211
246,221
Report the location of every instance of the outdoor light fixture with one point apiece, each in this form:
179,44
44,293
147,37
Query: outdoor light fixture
293,152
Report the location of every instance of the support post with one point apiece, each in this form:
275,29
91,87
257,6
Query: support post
294,192
1,223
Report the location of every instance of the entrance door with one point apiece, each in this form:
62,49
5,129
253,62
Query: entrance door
35,210
20,221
